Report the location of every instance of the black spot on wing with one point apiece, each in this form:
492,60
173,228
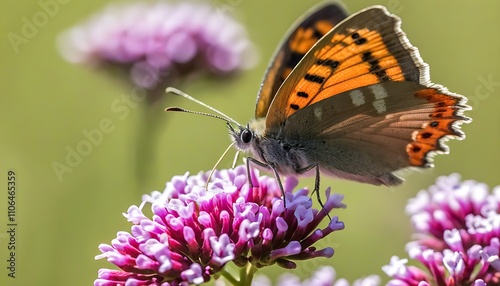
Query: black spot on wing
317,34
358,40
426,135
328,63
314,78
295,58
375,66
303,94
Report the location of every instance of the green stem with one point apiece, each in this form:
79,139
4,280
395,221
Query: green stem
246,274
229,277
146,143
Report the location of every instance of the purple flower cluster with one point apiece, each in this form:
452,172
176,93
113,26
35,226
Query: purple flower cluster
195,231
457,229
154,41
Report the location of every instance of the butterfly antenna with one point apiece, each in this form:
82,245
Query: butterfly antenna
180,93
235,159
197,112
217,164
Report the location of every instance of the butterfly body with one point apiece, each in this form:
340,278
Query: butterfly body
288,156
298,156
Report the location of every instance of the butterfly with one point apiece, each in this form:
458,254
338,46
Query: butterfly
349,97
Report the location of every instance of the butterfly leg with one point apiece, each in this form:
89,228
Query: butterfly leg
316,183
267,166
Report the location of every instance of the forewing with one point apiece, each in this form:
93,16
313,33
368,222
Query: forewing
296,43
366,48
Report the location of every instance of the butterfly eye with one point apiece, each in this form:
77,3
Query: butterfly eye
246,136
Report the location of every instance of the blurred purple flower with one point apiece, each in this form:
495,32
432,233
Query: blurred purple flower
195,232
458,236
160,42
324,276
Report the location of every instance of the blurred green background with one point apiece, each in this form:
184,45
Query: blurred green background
47,103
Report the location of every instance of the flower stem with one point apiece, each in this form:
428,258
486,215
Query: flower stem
229,277
146,144
246,274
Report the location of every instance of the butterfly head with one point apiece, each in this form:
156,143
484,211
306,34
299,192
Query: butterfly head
246,138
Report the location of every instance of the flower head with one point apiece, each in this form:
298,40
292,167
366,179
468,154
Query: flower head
458,229
159,42
195,231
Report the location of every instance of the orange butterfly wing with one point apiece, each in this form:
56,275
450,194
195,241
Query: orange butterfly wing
353,60
354,54
297,42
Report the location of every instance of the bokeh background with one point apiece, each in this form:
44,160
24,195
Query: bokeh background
47,103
